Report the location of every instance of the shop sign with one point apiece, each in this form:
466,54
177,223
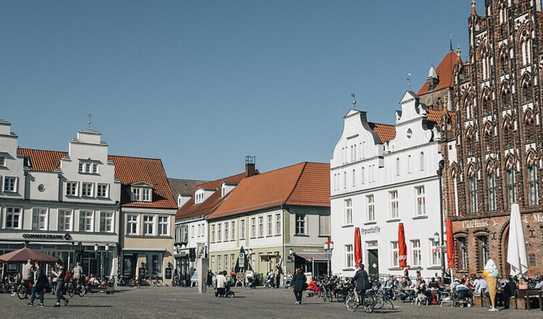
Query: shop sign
371,230
468,224
48,236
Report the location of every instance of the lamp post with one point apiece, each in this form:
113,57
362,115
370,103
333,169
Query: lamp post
328,248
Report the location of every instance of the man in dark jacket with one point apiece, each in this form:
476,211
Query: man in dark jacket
299,281
361,283
40,283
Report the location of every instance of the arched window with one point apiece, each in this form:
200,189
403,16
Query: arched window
526,48
472,191
492,191
526,89
354,177
483,252
462,253
511,187
533,185
502,13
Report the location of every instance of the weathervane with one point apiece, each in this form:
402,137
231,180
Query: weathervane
354,99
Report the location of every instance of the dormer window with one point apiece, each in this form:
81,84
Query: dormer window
88,167
199,196
142,194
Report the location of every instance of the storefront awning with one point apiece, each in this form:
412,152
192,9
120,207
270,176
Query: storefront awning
312,256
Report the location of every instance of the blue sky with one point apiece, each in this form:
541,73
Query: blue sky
201,84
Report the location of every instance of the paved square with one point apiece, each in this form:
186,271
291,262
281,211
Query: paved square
257,303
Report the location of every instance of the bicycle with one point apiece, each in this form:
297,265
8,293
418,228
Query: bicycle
352,301
22,291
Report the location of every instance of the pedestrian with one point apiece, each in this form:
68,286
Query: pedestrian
40,284
210,278
362,283
77,272
27,275
221,284
60,274
299,281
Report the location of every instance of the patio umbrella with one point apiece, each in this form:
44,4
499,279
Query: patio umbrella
450,244
24,254
357,247
516,248
402,247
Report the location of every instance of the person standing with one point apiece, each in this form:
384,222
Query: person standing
60,275
221,284
362,283
40,283
299,281
27,275
78,271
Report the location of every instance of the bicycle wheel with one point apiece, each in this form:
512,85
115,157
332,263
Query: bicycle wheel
351,303
21,292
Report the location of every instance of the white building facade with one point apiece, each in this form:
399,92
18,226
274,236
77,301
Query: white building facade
381,176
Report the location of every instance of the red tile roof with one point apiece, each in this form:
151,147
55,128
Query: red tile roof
437,115
386,132
302,184
445,73
128,170
192,210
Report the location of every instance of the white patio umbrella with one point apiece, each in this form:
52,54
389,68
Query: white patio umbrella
516,248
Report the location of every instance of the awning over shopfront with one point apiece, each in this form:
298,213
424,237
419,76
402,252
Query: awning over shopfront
24,254
312,256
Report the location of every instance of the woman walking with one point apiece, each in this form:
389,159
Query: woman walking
60,274
299,281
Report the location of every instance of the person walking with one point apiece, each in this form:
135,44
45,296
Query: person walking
221,284
60,275
362,283
299,281
40,284
27,275
77,272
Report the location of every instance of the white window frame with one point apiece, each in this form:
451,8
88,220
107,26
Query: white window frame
13,186
14,212
69,189
99,189
37,213
146,224
300,224
416,253
130,222
233,230
435,254
212,237
83,189
395,254
394,204
146,194
349,256
420,201
219,232
62,217
252,233
108,218
269,224
242,229
164,225
278,223
370,200
260,226
348,214
85,219
226,231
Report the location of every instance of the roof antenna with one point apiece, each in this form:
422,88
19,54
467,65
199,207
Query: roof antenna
89,122
408,79
354,99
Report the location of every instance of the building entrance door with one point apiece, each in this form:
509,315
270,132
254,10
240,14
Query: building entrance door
373,264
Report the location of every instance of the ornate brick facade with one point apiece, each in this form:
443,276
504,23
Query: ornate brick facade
494,144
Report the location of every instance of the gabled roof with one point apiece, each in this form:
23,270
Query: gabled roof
437,115
128,170
445,74
386,132
302,184
183,187
192,210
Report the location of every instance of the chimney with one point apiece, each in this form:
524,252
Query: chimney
250,165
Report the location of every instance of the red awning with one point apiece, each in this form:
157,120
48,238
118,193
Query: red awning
450,244
357,247
24,254
402,246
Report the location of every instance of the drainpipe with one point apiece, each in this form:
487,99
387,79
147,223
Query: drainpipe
442,231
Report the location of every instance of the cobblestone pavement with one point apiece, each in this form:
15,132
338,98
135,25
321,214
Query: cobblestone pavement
256,303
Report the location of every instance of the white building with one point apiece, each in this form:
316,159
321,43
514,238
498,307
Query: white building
63,203
381,176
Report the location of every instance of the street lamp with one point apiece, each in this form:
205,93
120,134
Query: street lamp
328,248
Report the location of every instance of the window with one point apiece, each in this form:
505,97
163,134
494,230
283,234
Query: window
13,218
348,212
106,222
421,201
163,226
421,161
226,231
416,253
39,219
253,227
142,194
300,224
526,50
86,221
435,253
2,161
65,220
349,256
102,190
212,237
483,252
462,253
192,231
472,191
219,232
395,254
533,187
492,192
10,184
394,209
397,166
344,180
324,225
270,225
132,224
354,177
371,207
260,226
242,229
146,194
199,227
511,187
233,231
363,175
277,224
71,188
148,225
87,167
87,189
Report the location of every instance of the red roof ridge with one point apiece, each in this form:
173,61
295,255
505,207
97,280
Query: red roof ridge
137,157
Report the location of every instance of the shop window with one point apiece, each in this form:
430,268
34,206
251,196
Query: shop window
483,253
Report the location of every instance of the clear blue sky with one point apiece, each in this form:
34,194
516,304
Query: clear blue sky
201,84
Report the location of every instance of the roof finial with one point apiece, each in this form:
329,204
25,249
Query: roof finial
474,7
354,100
408,79
450,42
90,121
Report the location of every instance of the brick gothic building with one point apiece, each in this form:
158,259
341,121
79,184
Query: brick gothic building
494,143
